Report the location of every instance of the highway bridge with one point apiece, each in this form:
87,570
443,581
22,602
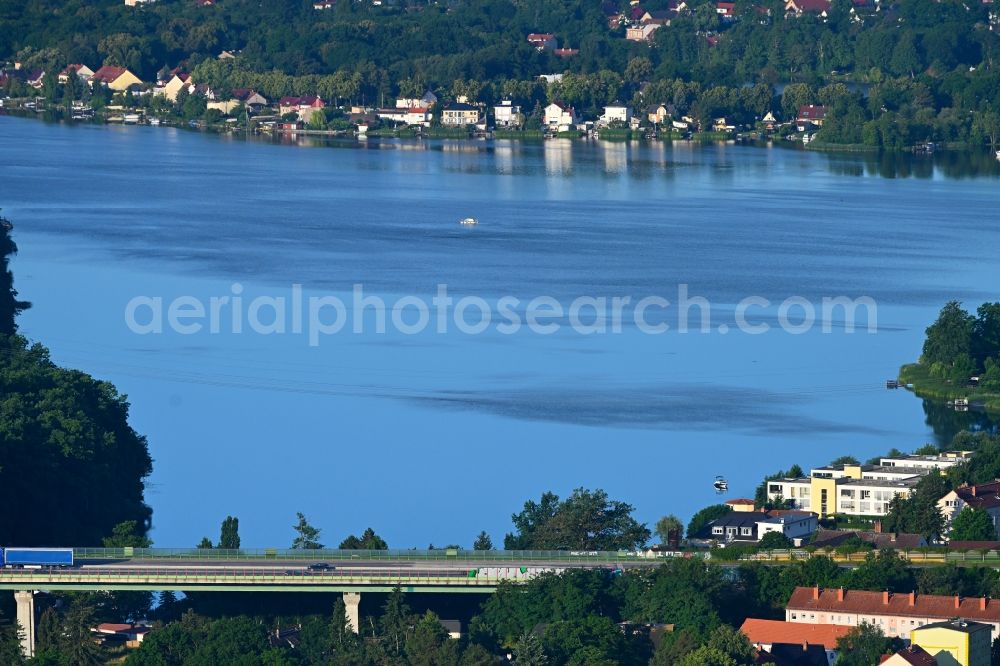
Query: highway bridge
350,572
353,572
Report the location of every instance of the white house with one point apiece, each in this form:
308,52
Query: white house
795,525
417,116
427,101
616,113
507,114
560,117
982,497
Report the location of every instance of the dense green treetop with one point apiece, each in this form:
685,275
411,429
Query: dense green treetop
705,516
586,520
973,525
229,536
69,460
863,646
368,541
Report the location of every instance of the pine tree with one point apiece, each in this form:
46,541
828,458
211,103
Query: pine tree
77,641
483,542
308,536
395,619
47,630
10,644
528,651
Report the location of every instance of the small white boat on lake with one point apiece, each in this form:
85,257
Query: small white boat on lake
469,222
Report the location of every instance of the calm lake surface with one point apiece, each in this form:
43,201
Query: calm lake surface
430,438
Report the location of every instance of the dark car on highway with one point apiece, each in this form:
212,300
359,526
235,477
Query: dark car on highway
320,566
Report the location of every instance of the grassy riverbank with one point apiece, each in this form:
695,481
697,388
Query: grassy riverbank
935,388
823,146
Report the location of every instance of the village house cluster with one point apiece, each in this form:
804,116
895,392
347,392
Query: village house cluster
936,629
295,113
849,491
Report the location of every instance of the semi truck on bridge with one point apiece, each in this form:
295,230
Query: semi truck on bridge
35,558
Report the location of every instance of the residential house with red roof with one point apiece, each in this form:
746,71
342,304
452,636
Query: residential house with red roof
82,72
727,10
173,86
765,634
115,78
811,114
799,7
250,98
543,41
130,634
739,503
895,614
304,106
35,77
559,116
982,497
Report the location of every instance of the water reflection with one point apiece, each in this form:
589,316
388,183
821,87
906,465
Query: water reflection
945,422
558,157
942,164
615,154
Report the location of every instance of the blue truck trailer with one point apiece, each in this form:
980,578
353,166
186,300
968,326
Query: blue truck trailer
36,557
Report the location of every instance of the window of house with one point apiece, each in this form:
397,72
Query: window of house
716,530
745,531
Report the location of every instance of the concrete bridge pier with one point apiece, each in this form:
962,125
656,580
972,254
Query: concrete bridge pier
26,618
352,601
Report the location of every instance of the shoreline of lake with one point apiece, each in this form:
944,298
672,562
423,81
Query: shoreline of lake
751,139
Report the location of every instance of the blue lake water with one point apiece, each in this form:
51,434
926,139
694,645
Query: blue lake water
430,438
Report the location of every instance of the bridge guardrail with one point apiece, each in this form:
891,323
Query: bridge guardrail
370,555
239,576
916,556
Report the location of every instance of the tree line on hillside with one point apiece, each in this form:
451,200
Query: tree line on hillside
928,67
